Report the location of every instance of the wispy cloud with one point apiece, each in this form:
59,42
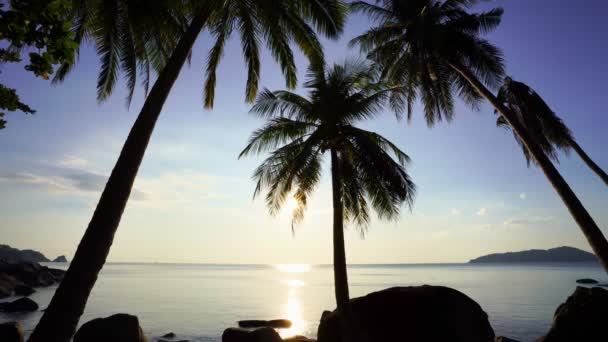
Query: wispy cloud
526,221
522,196
73,162
482,212
455,212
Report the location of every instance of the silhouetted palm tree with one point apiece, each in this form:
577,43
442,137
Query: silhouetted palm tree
273,22
300,131
543,125
434,49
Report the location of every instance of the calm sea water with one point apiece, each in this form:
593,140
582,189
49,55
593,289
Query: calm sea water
198,301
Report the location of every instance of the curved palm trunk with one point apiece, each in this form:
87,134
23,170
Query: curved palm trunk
585,222
60,320
340,274
590,163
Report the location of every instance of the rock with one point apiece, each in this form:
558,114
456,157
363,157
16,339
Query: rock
265,334
417,313
31,274
279,323
602,285
586,281
505,339
298,338
11,332
583,317
24,290
274,323
169,335
60,258
116,328
20,305
7,285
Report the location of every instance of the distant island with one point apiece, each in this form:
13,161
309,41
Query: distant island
60,258
10,254
559,254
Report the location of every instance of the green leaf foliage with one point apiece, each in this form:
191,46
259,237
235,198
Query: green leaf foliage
39,25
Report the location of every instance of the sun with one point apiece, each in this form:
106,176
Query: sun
291,204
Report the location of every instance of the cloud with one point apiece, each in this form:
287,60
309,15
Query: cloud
525,221
522,195
73,162
81,184
455,212
482,212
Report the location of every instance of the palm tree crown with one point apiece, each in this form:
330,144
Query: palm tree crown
302,130
417,43
545,127
133,37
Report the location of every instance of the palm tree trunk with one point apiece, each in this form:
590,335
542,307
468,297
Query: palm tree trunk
590,229
592,165
340,273
60,320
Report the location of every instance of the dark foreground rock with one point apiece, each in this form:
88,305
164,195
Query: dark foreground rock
265,334
20,305
419,313
583,317
298,338
586,281
274,323
11,332
116,328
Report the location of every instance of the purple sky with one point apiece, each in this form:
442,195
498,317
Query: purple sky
193,199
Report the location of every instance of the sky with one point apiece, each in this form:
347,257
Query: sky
193,197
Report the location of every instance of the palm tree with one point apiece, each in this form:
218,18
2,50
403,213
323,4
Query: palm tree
273,22
300,131
434,48
543,125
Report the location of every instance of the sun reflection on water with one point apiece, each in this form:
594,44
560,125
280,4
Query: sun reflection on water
292,309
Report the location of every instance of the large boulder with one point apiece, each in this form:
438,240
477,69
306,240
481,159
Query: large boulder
11,332
583,317
265,334
116,328
20,305
417,313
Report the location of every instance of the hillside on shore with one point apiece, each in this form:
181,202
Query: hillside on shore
10,254
559,254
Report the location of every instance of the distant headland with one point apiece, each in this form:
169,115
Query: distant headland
10,254
559,254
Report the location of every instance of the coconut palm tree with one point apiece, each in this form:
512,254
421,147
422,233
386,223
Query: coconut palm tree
435,50
301,130
543,125
276,23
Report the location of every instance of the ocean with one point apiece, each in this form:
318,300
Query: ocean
197,302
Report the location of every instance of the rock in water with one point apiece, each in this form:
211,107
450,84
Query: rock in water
20,305
24,290
418,313
11,332
586,281
273,323
265,334
116,328
583,317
